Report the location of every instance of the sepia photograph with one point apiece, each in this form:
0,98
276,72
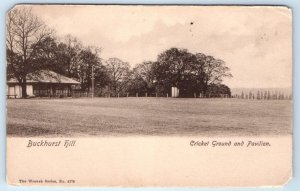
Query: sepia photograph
152,95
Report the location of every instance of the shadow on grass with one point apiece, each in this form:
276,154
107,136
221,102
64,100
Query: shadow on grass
25,131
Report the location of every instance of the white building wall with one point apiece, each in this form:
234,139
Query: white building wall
29,89
17,90
11,90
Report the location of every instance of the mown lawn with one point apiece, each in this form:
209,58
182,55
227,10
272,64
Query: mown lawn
147,117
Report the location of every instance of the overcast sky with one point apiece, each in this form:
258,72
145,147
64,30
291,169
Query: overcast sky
255,42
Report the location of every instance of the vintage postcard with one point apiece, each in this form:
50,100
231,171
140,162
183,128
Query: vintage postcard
143,96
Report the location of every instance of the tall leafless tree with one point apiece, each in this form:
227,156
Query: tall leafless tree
23,32
118,71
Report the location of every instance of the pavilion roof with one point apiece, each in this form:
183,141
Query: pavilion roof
45,76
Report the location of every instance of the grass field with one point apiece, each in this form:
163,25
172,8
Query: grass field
147,116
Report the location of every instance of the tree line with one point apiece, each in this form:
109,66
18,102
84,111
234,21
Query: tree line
32,46
264,95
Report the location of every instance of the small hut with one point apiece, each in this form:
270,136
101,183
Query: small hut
175,92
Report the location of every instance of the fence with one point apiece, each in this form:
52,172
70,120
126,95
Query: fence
248,96
78,94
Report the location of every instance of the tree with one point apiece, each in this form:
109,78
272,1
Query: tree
219,90
174,68
250,95
89,60
24,32
191,73
268,95
101,76
118,71
45,54
199,72
68,56
143,78
258,95
214,71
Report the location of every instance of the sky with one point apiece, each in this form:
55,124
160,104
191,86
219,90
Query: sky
255,42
